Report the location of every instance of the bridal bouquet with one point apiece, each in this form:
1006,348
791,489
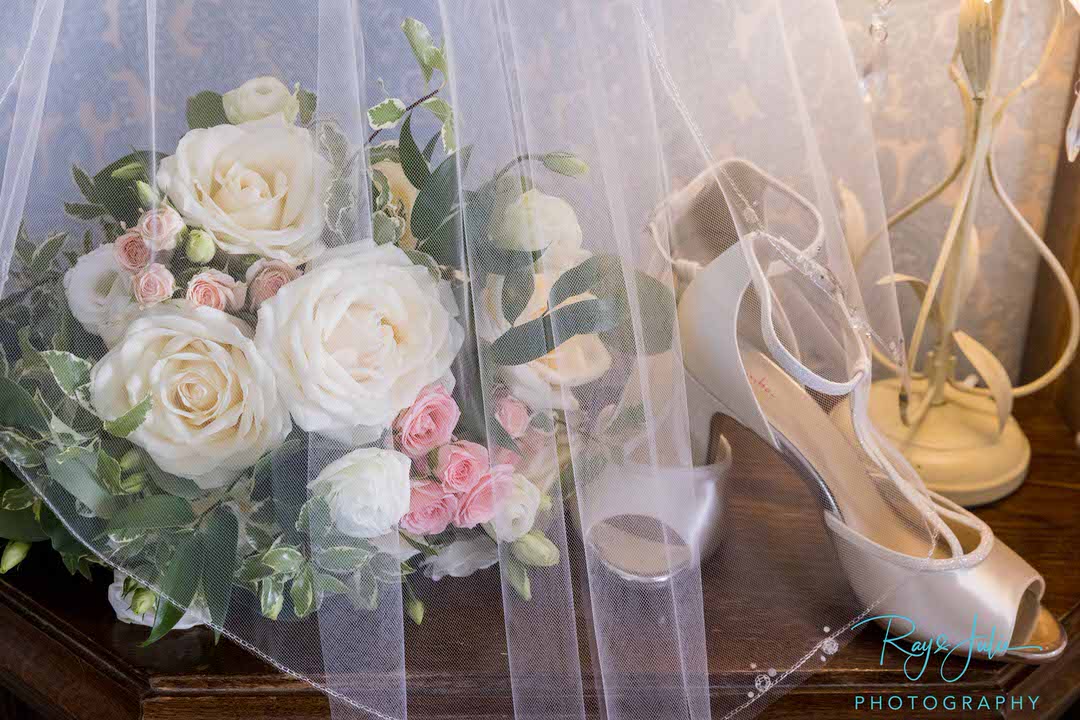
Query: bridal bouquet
221,385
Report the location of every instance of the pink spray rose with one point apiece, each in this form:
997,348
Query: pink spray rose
460,465
153,285
265,277
478,505
513,415
161,227
213,288
431,509
132,252
429,423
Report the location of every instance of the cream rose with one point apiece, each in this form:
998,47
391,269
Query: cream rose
259,98
258,187
355,339
535,221
99,294
367,491
215,409
539,384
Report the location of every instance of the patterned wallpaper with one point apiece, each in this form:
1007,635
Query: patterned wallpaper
918,122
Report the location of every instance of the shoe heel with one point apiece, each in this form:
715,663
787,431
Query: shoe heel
706,412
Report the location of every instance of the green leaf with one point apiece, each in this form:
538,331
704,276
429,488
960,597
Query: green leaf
18,410
84,183
656,304
19,450
221,532
386,114
302,592
175,485
427,54
442,110
314,518
108,470
253,570
529,341
71,372
84,211
18,498
343,559
429,149
412,162
130,421
75,469
47,252
206,110
21,525
328,584
438,197
307,102
284,560
181,578
517,290
363,589
153,513
271,596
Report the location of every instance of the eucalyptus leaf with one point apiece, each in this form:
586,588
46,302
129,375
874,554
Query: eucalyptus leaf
153,513
47,252
413,163
179,583
206,110
84,183
221,532
534,339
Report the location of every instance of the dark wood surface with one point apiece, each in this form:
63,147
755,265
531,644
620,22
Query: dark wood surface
63,655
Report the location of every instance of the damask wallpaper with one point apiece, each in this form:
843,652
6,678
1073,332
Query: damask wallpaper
918,122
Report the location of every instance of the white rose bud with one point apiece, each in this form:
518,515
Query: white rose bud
367,490
516,505
14,554
536,221
259,98
143,601
565,163
535,550
201,246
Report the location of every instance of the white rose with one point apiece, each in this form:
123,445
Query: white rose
355,339
402,196
258,98
258,187
367,490
215,410
121,605
535,221
516,505
462,558
99,294
577,361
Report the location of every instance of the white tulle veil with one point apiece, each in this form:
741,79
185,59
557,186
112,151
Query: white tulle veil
610,109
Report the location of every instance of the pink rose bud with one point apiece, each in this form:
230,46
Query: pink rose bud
513,415
478,505
161,227
132,252
460,465
215,289
153,285
431,509
266,277
429,423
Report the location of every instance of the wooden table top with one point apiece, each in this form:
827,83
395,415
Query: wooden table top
64,655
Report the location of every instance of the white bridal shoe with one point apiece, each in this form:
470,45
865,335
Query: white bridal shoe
906,551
